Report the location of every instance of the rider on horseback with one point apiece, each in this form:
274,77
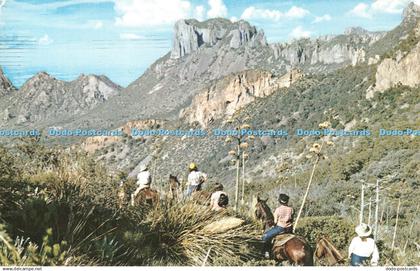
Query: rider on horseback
283,219
144,179
195,179
219,199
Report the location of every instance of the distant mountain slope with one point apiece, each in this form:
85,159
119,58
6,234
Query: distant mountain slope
45,100
203,52
339,95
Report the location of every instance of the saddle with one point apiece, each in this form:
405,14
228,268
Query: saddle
282,239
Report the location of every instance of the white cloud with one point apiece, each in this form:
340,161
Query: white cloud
273,14
380,6
199,13
130,36
296,12
233,19
391,6
361,10
141,13
45,40
323,18
217,9
299,32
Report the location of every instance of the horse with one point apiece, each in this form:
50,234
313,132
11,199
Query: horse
326,250
123,192
204,196
146,196
293,248
201,196
173,187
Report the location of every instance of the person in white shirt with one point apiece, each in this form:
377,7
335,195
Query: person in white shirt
144,179
363,247
195,179
219,199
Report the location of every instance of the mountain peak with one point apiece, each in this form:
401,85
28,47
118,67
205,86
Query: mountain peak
189,35
355,31
5,85
41,76
96,86
412,11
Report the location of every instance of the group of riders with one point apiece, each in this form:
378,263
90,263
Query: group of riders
219,199
362,248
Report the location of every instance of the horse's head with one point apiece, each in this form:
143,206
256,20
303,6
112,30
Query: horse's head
216,187
327,251
173,179
263,212
259,209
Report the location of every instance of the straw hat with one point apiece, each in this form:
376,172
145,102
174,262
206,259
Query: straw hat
363,230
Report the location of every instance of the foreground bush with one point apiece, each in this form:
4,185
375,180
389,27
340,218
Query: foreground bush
336,229
187,234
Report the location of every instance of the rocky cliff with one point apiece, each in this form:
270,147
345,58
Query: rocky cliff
401,66
404,70
232,93
6,87
327,52
190,35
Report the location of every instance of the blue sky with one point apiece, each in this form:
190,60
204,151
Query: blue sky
121,38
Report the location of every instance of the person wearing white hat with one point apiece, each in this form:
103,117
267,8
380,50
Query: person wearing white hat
363,247
144,179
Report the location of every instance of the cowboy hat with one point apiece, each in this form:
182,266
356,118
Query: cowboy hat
363,230
283,198
143,167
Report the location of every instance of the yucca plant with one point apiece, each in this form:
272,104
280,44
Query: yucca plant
184,238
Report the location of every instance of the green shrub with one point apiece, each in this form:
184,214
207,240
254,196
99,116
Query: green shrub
336,229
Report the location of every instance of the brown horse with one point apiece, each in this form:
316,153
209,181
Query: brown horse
327,253
201,196
204,196
292,248
174,184
123,192
146,196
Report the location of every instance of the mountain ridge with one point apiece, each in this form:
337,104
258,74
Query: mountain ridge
204,52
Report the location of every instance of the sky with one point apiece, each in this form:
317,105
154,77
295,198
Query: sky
122,38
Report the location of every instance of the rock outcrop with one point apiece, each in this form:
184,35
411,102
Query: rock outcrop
189,35
402,67
92,144
315,54
6,87
227,96
411,12
404,70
